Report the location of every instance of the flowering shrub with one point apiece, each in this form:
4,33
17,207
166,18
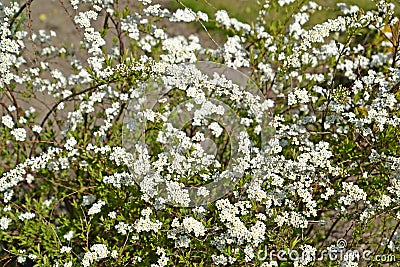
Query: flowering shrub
155,150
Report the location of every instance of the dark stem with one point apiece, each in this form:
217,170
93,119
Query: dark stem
54,108
331,229
391,236
29,2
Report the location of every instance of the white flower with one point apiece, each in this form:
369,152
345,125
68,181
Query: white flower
145,2
65,249
145,224
216,129
88,259
352,194
202,16
329,192
129,25
4,223
162,260
114,254
87,200
159,33
19,134
98,252
32,256
203,191
184,15
74,3
26,216
385,201
71,142
220,260
292,99
249,253
180,50
192,225
21,259
101,250
234,54
68,236
112,214
123,228
96,208
22,120
83,18
222,17
48,202
285,2
37,129
348,9
177,193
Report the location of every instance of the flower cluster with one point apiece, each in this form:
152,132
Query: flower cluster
96,253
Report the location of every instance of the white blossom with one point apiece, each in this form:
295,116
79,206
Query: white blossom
7,121
4,223
96,208
19,134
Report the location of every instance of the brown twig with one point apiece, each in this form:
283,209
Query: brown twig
201,23
54,108
117,26
391,236
19,12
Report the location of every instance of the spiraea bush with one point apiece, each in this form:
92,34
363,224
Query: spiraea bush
269,148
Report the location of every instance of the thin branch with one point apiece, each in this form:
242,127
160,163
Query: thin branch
66,99
202,24
19,12
54,108
11,95
391,236
8,111
117,26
